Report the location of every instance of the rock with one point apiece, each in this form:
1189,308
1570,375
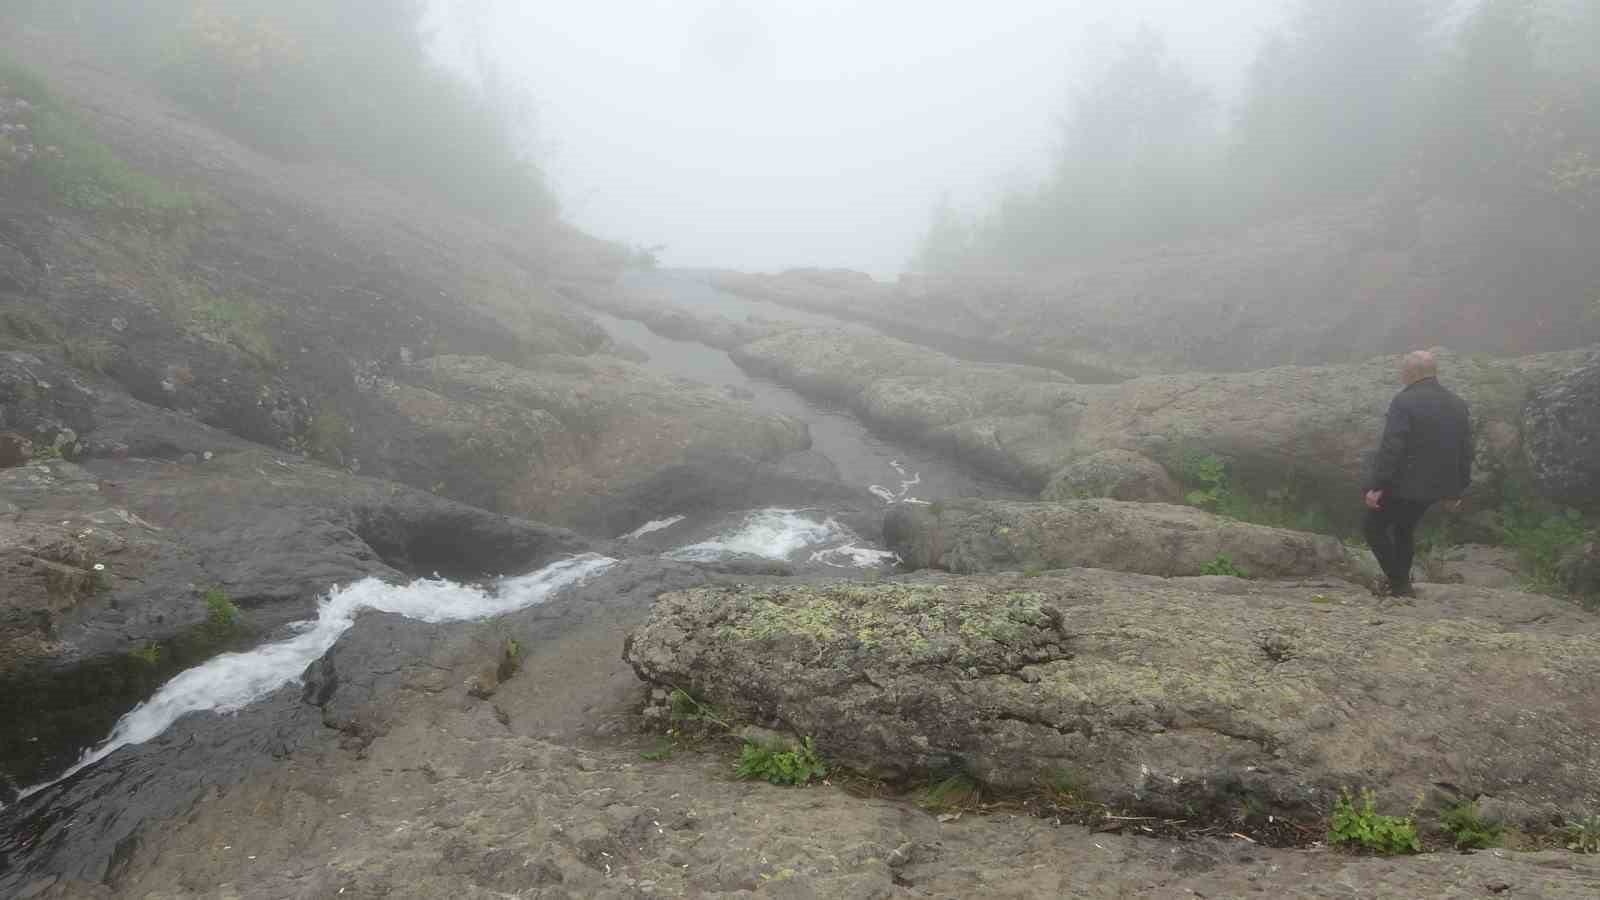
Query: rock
1482,566
1116,474
106,558
386,674
1157,697
560,437
967,536
1563,437
1348,278
1294,431
1579,571
15,450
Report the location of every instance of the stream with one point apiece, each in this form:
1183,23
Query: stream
894,471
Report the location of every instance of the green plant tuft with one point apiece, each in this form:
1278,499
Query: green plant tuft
662,753
1583,836
1362,826
953,793
684,708
1222,565
221,615
800,765
91,354
1206,476
148,654
1468,827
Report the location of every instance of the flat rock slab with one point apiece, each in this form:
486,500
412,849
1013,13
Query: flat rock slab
1190,698
972,536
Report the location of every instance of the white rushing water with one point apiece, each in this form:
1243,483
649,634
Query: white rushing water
651,527
907,482
767,533
232,681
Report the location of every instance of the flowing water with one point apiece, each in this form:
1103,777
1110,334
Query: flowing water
231,681
894,471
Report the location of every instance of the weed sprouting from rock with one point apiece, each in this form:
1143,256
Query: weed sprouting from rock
1583,836
1206,476
1222,565
1359,824
956,792
147,654
1469,829
222,617
794,766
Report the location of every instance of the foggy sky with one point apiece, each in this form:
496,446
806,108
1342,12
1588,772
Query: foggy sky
763,134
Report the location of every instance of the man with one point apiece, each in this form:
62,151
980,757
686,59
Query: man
1425,457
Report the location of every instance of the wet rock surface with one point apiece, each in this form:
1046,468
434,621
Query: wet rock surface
558,436
1180,698
1563,435
107,566
968,536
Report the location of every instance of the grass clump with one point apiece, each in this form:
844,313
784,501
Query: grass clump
222,616
1222,565
1360,825
147,654
956,792
78,170
1469,829
795,766
1583,836
91,354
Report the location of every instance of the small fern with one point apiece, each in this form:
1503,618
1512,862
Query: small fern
800,765
1363,827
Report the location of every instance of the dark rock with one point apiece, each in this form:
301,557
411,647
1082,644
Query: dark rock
1579,571
1562,430
15,450
272,533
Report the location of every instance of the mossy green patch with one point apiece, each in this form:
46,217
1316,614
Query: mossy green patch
894,617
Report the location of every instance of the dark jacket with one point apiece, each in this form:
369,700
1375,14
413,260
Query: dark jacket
1426,452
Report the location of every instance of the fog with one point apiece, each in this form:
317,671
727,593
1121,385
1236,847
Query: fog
759,134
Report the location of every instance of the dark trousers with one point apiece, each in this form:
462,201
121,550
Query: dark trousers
1391,532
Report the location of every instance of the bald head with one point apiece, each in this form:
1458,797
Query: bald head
1418,364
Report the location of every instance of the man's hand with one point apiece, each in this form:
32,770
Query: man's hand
1453,504
1374,500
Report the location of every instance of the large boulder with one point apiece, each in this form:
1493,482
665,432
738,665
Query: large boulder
1115,474
1562,427
1191,699
966,536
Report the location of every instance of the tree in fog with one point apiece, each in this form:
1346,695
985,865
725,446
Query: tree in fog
1133,149
1332,104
